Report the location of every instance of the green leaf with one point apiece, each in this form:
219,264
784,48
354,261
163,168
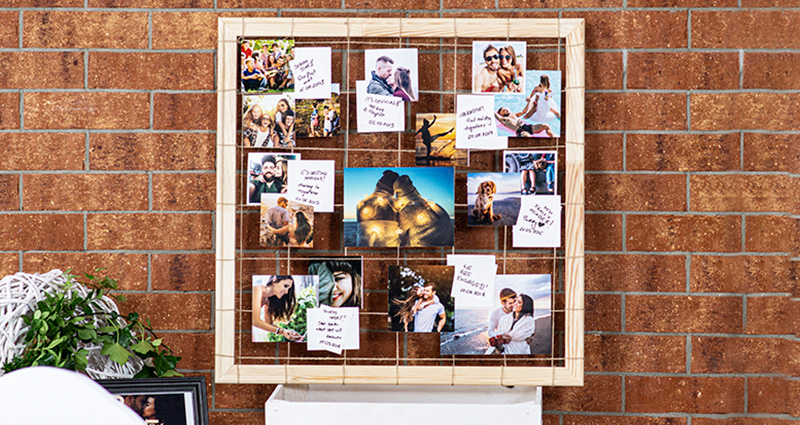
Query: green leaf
56,342
81,359
116,352
87,334
171,373
107,329
142,347
37,314
157,342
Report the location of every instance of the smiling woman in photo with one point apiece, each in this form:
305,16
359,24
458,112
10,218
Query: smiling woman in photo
274,300
339,282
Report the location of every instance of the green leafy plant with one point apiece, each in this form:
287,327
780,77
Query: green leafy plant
64,323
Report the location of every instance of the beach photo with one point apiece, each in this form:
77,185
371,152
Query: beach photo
392,72
406,207
279,306
265,65
498,66
419,298
493,199
436,141
537,170
285,223
340,280
268,121
267,174
518,323
318,117
538,114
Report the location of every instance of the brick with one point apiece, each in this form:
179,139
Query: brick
686,395
676,313
87,110
634,29
184,311
29,232
742,421
764,233
478,4
193,348
603,312
43,3
639,273
9,192
183,272
745,29
15,70
745,111
85,30
603,152
31,151
236,418
621,420
603,232
242,396
604,71
683,233
598,394
185,111
635,192
682,3
193,30
151,71
184,191
770,3
130,270
771,152
773,395
156,4
9,263
564,4
381,4
744,355
9,110
636,111
742,193
131,151
683,152
9,29
698,71
772,316
72,192
635,353
741,274
771,71
149,231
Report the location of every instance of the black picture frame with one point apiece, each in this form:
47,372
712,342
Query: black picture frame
193,390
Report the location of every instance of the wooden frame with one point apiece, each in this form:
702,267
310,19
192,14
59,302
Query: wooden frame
230,29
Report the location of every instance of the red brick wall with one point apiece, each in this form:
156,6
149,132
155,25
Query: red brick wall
107,119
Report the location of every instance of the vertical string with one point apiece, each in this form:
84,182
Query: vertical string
346,92
405,107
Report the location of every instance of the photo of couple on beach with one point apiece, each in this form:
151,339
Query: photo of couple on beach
399,207
285,223
518,323
392,72
538,114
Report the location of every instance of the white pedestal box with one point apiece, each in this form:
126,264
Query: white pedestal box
403,405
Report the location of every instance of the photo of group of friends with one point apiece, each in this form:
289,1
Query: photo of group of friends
493,199
279,303
269,121
265,65
392,72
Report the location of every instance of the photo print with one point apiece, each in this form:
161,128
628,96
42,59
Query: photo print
279,307
318,117
285,223
406,207
517,324
537,170
498,66
265,65
493,199
419,299
267,174
392,72
538,115
436,141
176,401
269,121
341,281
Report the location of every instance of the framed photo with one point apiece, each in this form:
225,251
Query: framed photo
167,401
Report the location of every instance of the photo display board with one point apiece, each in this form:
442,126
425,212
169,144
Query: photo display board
400,201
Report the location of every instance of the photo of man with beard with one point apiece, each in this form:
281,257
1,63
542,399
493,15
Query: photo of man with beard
420,298
267,174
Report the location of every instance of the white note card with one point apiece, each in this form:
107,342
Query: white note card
311,183
539,222
378,114
475,126
311,68
473,279
332,329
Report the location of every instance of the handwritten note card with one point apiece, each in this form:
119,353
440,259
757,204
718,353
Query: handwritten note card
378,114
475,126
332,329
473,280
312,183
539,222
311,68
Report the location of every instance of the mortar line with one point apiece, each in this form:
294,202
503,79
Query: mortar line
20,188
741,69
688,193
689,29
624,151
622,302
152,113
687,267
86,70
149,191
624,70
744,312
688,354
20,28
149,272
744,233
623,231
21,111
150,30
689,111
85,230
741,150
86,148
